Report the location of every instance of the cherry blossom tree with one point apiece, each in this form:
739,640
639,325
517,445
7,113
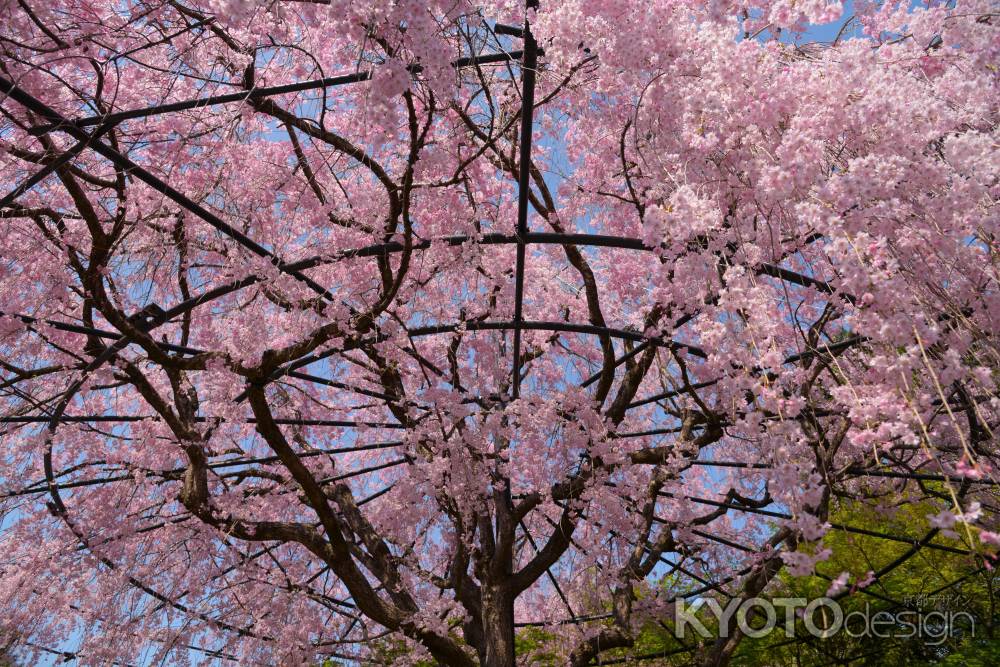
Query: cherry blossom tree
333,325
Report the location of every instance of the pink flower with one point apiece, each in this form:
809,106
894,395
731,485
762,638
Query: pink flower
838,585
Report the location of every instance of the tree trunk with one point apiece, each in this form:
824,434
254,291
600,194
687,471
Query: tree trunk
498,626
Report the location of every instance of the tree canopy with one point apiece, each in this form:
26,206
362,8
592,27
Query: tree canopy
461,331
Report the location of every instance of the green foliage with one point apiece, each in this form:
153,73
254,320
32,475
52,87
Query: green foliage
962,593
951,599
535,643
974,653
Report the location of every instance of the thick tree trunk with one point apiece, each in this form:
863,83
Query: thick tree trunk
498,626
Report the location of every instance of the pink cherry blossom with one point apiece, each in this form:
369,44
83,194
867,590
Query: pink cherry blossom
300,360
